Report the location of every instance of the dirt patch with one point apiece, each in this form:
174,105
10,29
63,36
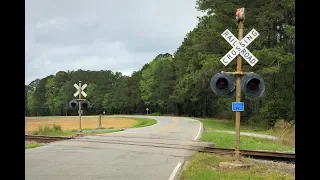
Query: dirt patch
72,122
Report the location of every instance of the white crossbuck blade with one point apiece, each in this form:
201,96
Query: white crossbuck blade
84,86
76,94
84,94
239,47
76,86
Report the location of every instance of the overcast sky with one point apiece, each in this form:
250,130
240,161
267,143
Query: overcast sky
117,35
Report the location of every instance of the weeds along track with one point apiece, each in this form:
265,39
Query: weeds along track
267,155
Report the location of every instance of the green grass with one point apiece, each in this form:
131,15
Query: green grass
229,125
155,114
32,145
204,166
226,140
142,122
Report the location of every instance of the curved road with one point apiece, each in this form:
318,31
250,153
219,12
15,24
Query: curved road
103,157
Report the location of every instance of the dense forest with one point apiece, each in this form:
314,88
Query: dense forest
179,83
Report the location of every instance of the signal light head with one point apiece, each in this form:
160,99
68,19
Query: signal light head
73,103
85,104
223,84
252,85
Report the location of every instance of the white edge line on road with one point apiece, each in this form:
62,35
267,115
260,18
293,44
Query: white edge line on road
173,174
158,122
198,131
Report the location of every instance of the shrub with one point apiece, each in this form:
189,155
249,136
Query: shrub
285,132
282,125
47,130
56,127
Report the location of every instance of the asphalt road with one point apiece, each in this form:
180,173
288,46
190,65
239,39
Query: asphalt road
103,157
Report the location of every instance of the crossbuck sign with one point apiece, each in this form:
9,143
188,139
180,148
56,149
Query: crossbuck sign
80,90
239,47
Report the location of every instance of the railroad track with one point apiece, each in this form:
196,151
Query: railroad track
45,139
267,155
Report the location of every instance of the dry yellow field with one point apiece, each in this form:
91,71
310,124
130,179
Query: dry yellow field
72,122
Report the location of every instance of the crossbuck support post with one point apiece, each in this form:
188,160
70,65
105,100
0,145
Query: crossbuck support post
80,129
238,94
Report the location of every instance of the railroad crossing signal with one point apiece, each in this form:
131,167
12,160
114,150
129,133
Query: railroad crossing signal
76,102
239,47
224,84
80,90
80,103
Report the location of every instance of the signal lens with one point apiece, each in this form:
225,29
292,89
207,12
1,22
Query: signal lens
253,84
222,83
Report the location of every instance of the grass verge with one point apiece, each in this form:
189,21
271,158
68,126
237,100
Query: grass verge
155,114
205,166
29,145
226,140
143,122
229,125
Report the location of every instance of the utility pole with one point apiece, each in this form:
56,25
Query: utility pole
238,85
80,90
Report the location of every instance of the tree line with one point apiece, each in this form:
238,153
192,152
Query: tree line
178,83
